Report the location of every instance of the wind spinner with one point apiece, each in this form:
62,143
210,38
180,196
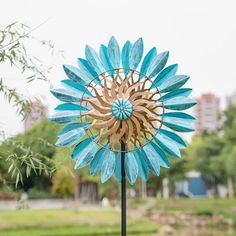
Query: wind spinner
120,117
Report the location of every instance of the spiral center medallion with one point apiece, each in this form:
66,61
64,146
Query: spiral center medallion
122,108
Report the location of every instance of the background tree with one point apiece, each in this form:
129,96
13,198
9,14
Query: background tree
30,154
14,52
228,154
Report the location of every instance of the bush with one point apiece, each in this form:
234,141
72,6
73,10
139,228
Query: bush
34,193
204,212
7,196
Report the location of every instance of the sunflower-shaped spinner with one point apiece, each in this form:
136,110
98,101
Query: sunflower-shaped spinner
109,100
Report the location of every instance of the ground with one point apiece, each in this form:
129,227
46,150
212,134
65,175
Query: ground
70,222
146,219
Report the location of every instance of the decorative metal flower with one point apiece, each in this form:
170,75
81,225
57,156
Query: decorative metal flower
106,104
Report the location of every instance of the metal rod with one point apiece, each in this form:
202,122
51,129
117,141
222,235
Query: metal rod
123,191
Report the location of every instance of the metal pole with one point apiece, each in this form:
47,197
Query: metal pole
123,191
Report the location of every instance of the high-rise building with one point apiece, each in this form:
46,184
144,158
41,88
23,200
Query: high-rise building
207,112
37,112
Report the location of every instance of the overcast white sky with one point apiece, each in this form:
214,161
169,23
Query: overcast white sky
200,35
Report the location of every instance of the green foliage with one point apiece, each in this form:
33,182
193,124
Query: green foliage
63,183
63,180
214,154
30,154
13,51
204,212
12,96
204,155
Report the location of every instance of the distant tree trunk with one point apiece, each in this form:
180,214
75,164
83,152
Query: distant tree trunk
230,187
76,193
143,187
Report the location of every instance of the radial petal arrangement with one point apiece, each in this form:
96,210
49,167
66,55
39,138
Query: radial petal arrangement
107,100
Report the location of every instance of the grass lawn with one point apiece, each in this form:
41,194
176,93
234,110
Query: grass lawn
106,222
69,222
223,207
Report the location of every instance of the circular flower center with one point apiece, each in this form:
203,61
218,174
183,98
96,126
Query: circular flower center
122,108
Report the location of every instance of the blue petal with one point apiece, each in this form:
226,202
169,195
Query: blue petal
173,137
70,107
172,83
179,103
167,145
113,51
125,57
181,115
148,59
108,166
88,71
74,74
151,159
157,64
182,92
142,165
160,155
178,121
66,96
64,117
77,88
164,75
118,167
131,167
71,137
105,60
96,163
136,54
73,126
84,153
94,60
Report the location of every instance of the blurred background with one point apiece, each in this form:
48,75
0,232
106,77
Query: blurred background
41,194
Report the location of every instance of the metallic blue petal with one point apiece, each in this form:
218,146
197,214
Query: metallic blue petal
71,137
74,74
105,60
179,103
164,75
182,92
77,88
118,167
181,115
108,166
167,145
88,71
70,107
125,57
113,51
173,137
136,54
157,64
172,83
73,126
151,159
178,121
160,155
96,163
66,96
64,117
94,60
131,167
148,59
84,153
142,165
